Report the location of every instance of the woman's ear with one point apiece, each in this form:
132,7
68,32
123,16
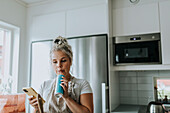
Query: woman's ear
71,63
71,69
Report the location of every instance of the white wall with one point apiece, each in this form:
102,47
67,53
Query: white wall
137,87
114,90
13,13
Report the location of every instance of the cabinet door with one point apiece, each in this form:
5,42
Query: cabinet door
86,21
48,26
138,19
165,33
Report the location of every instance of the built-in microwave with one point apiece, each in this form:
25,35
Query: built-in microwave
137,49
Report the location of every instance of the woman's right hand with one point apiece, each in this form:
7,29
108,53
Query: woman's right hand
33,102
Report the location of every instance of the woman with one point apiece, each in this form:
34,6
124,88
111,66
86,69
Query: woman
77,97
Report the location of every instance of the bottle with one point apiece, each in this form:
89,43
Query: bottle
58,89
165,100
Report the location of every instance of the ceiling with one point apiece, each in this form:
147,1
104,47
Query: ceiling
32,1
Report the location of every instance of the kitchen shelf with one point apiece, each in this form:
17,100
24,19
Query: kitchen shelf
139,67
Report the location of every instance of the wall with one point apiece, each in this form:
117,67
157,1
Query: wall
114,90
137,87
14,13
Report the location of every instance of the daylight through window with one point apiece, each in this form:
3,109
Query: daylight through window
163,89
5,61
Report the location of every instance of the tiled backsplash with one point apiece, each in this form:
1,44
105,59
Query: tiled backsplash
137,87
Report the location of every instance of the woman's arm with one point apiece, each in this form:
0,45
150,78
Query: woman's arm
86,100
85,106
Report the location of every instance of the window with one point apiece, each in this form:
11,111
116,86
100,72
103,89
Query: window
5,63
9,44
163,89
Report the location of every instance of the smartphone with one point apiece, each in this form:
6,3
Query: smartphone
31,92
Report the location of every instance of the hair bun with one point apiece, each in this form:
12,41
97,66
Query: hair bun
60,41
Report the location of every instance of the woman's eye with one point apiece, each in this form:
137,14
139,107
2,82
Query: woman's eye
63,60
54,62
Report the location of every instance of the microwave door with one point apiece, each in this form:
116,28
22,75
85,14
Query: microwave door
139,52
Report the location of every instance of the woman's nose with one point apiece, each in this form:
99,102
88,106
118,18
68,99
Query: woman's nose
59,64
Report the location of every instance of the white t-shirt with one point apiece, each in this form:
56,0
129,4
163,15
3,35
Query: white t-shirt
81,86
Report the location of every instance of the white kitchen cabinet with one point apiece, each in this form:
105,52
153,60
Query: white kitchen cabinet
137,19
48,26
165,33
86,21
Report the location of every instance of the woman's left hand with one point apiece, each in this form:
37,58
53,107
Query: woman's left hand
64,85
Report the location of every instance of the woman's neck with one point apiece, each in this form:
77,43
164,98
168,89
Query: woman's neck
69,77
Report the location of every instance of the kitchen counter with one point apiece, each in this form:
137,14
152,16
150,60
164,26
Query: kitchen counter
127,109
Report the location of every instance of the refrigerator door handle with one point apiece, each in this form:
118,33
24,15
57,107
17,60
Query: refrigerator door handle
104,88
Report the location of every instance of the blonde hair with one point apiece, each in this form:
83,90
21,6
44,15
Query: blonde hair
61,43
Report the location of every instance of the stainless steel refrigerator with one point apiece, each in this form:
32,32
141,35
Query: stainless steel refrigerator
90,62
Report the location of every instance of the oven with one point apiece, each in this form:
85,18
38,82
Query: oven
138,49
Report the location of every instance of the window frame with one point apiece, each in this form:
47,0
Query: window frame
155,86
14,53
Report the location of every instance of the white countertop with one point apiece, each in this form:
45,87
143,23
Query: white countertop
127,109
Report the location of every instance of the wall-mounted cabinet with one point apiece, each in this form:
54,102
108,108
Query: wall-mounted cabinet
137,19
165,27
76,22
86,21
48,26
141,19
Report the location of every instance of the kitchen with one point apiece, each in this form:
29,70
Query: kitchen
47,19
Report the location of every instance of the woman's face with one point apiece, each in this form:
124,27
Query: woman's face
61,63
